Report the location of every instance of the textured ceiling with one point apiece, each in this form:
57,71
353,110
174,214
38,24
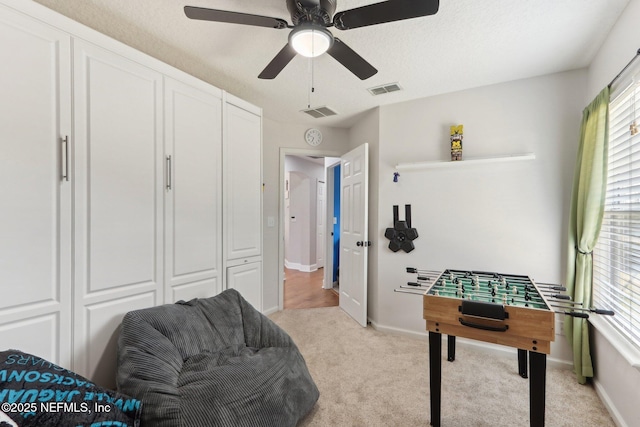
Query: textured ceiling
468,43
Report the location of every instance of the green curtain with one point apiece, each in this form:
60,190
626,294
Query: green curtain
587,209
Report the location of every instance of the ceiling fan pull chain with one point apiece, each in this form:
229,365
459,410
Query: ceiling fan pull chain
310,83
313,75
313,89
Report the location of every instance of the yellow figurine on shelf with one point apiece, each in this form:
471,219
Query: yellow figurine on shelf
456,142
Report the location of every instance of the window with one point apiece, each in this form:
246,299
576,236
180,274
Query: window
616,257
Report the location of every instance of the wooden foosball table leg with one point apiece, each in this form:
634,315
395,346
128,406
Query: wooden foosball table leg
435,376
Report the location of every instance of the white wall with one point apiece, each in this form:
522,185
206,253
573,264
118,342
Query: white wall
297,252
505,217
301,244
619,47
307,166
616,380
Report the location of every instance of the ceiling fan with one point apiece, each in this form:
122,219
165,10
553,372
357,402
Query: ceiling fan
310,36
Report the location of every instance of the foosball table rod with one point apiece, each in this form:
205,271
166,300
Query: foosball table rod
424,275
556,296
418,285
552,287
421,271
404,290
583,311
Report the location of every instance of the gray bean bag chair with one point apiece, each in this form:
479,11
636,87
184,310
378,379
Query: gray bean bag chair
212,362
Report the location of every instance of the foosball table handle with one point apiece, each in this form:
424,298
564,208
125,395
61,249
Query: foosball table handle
483,327
576,314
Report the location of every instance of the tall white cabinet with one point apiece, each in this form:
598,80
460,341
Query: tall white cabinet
35,189
243,198
193,190
126,184
118,198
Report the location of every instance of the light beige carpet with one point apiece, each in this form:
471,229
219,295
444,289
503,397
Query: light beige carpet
370,378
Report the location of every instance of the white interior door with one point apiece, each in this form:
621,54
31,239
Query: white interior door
354,187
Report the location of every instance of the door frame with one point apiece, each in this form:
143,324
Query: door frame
281,217
321,223
328,250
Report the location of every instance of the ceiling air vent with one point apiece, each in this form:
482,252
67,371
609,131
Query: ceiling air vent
320,112
389,87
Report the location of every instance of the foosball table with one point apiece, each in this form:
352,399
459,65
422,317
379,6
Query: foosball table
504,309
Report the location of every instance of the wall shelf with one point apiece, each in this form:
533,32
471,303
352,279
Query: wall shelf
460,163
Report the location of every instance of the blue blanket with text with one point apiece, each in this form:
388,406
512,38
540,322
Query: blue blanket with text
35,392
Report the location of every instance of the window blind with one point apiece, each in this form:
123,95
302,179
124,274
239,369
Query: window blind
616,257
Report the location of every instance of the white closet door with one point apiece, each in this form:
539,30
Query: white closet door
193,192
119,200
35,212
243,183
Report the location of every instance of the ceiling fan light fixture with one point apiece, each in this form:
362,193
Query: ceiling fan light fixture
310,40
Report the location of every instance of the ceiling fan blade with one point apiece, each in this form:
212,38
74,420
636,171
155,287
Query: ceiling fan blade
351,60
233,17
278,63
386,11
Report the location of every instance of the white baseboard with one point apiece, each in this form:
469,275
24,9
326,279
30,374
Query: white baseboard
300,267
398,331
270,311
608,403
312,267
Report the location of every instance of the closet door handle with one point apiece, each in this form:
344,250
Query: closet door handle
65,159
169,183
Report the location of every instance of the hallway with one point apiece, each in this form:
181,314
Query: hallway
304,290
